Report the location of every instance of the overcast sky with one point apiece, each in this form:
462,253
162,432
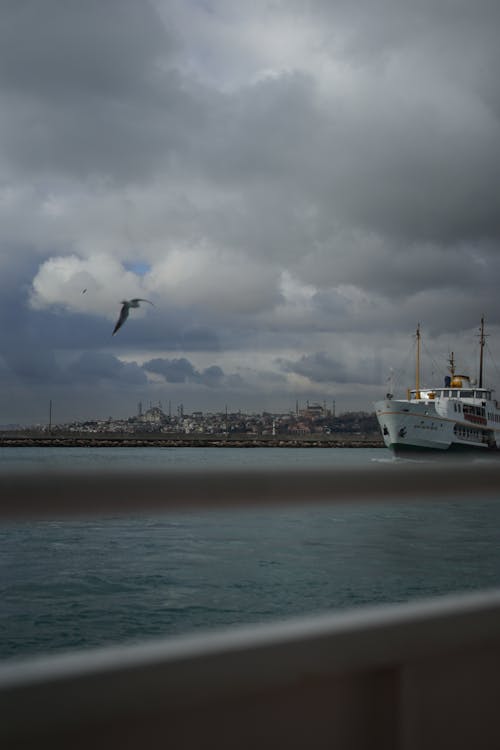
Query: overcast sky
294,185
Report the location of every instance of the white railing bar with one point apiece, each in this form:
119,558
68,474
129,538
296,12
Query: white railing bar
47,697
51,494
410,629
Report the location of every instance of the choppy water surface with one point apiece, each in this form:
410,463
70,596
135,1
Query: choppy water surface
66,584
144,459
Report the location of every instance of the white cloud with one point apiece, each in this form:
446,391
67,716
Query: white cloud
219,280
93,285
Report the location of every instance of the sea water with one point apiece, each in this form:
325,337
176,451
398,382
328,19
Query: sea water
81,583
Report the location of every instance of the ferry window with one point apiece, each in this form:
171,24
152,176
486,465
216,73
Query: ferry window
466,394
446,393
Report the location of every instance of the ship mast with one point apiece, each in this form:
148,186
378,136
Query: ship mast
417,366
452,365
482,341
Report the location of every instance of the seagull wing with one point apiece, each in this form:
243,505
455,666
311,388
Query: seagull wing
121,320
138,299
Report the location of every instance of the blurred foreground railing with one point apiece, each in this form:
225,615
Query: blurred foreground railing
420,675
57,494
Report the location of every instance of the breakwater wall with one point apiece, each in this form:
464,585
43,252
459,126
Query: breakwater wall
186,441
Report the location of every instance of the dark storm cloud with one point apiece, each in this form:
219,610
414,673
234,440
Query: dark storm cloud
399,271
72,48
95,367
410,150
36,365
175,330
320,367
181,370
33,364
199,338
245,128
374,156
87,90
425,162
394,166
368,33
174,371
26,339
213,376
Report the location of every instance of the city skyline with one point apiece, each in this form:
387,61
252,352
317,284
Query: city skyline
308,418
294,186
179,410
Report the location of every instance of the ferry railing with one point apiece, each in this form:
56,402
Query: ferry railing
416,675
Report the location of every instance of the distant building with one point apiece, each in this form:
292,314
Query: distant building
313,411
154,416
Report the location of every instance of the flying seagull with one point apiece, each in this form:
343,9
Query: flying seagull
126,305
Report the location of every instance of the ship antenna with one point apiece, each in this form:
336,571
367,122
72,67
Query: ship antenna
482,341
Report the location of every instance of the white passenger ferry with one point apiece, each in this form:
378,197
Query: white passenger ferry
460,415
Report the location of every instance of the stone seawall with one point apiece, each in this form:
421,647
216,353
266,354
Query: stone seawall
219,441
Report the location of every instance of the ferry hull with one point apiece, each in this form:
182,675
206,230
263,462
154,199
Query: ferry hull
411,428
455,449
